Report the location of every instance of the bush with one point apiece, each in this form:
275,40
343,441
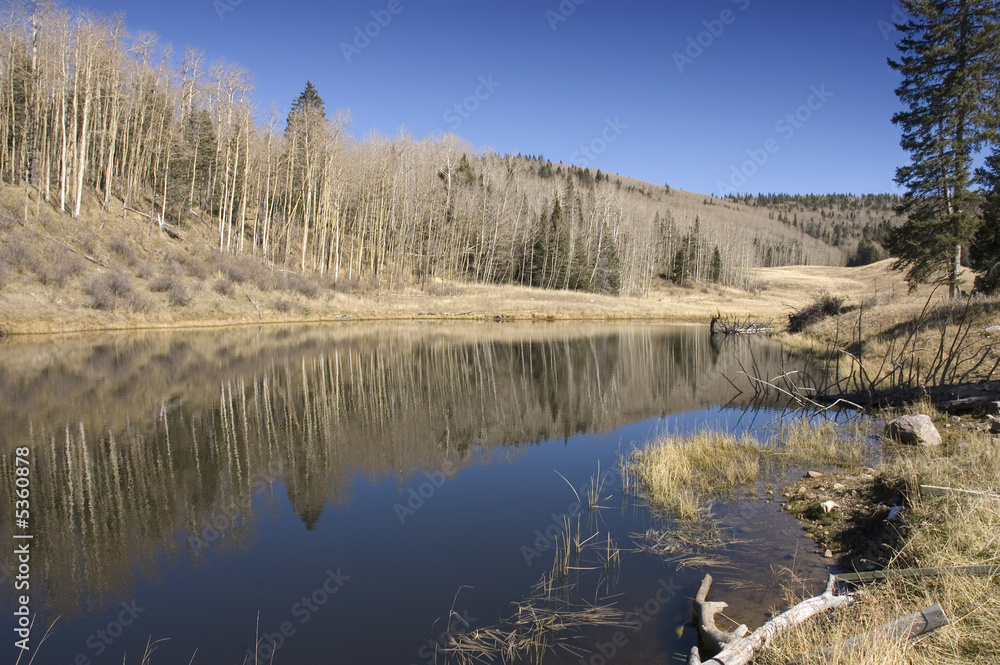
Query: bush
300,284
179,295
824,307
113,290
65,266
174,287
189,264
123,247
18,256
224,288
163,283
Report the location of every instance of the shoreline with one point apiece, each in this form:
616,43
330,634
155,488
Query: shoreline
36,310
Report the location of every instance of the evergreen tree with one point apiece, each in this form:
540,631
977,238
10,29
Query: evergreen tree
949,67
680,269
308,100
716,275
984,254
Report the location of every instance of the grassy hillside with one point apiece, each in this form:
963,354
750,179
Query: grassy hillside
106,271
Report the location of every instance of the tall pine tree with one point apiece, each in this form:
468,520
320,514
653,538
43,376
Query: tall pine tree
949,67
984,254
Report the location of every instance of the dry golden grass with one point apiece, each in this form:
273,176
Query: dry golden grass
680,477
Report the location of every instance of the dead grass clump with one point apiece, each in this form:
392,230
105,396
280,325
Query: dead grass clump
822,444
826,306
543,623
681,476
113,290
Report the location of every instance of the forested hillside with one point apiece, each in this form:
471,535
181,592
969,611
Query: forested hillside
97,123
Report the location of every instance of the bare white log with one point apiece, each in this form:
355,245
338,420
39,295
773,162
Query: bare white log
739,648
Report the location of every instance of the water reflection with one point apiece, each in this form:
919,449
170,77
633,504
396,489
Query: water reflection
150,448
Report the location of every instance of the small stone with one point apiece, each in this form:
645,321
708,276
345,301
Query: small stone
955,419
802,491
916,430
839,487
814,475
828,554
994,409
829,506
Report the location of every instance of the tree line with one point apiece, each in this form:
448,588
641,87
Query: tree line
92,113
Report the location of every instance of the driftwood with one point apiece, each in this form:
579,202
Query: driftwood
732,326
931,490
906,628
740,646
984,571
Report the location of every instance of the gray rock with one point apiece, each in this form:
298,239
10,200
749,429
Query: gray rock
994,409
913,430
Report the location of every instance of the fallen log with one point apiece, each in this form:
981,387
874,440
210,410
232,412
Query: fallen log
904,629
738,647
931,490
982,571
721,325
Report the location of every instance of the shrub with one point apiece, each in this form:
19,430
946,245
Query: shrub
224,288
299,284
114,289
174,287
123,247
824,307
163,283
179,295
65,266
283,306
17,255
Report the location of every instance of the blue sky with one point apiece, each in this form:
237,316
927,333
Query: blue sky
710,96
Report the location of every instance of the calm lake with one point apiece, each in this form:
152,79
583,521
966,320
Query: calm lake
338,491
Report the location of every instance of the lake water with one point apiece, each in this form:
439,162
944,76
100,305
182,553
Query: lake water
336,491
